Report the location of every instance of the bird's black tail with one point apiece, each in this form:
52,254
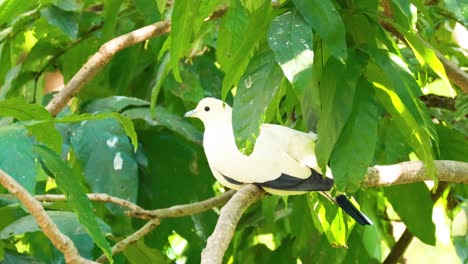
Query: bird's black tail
350,209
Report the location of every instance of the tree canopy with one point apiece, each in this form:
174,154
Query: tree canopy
95,152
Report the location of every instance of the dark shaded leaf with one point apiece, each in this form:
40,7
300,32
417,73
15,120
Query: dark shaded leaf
255,92
67,222
239,34
161,117
184,15
68,181
107,158
336,96
355,147
138,253
326,21
17,148
64,20
413,203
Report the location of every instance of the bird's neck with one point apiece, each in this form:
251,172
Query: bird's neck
219,139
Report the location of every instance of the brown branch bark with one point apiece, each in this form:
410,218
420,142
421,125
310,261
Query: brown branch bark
399,248
97,197
58,239
185,209
414,171
101,58
230,215
124,243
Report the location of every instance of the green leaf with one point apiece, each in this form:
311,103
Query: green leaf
161,5
43,132
68,181
68,224
15,258
255,92
111,11
64,20
336,96
114,104
413,203
68,5
162,117
426,55
416,136
290,38
392,73
16,157
138,253
19,109
326,21
330,219
163,71
12,8
126,123
184,15
239,34
453,144
107,158
355,147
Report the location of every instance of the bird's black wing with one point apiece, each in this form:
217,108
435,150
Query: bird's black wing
316,182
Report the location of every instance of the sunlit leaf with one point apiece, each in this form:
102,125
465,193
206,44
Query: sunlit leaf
290,38
330,219
416,137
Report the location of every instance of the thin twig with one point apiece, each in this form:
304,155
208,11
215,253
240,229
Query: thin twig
101,58
58,239
97,197
399,248
185,209
230,215
124,243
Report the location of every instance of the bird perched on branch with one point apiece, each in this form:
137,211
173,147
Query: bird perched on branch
282,162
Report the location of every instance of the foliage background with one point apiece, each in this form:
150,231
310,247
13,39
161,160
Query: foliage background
333,67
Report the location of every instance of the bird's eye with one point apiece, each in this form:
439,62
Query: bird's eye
207,108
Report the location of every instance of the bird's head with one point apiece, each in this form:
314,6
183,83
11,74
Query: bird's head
211,110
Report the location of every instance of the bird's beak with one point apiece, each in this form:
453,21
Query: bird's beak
192,113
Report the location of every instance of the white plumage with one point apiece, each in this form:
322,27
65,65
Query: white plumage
278,149
282,162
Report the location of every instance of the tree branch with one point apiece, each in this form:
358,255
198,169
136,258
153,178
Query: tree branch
97,197
124,243
399,248
414,171
377,176
58,239
185,209
101,58
219,241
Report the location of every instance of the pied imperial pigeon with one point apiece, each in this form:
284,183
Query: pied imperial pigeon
283,160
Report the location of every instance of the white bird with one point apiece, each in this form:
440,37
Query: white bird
282,162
